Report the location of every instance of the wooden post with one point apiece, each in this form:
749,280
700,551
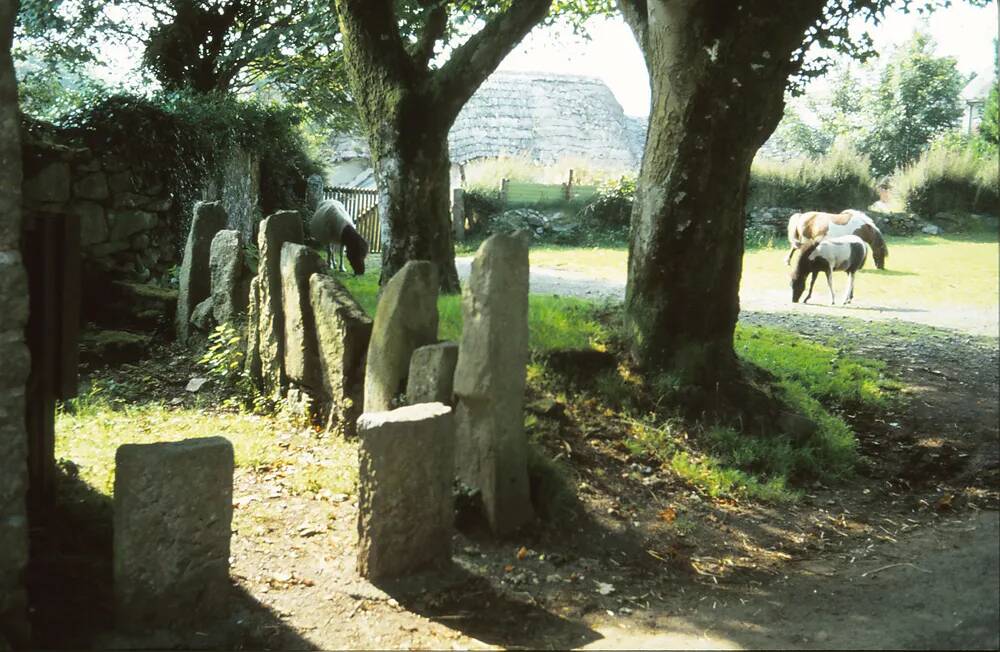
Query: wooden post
458,214
504,183
569,186
52,257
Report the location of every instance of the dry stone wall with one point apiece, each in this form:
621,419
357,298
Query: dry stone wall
127,217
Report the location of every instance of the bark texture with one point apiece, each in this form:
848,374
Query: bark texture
718,71
408,108
14,629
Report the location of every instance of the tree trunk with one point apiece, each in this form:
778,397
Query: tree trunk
408,108
412,173
718,72
14,627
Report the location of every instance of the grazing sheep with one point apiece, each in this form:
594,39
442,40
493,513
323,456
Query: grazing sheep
331,225
844,254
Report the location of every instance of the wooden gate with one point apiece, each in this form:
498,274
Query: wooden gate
362,206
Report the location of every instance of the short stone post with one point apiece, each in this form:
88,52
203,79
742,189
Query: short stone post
173,509
432,374
194,284
342,334
458,214
491,448
302,366
406,318
276,230
251,360
229,286
405,503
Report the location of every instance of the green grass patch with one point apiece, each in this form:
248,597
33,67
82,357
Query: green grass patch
821,371
553,322
722,459
89,430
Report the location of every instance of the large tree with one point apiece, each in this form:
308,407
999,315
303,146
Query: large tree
918,98
718,72
408,103
204,46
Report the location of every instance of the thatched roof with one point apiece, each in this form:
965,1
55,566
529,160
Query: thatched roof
546,117
540,116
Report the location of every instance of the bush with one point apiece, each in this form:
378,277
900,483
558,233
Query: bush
951,176
612,208
838,180
180,138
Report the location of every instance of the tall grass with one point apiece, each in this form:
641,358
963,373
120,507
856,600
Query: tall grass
486,174
838,180
950,179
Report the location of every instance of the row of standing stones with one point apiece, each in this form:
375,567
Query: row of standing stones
432,412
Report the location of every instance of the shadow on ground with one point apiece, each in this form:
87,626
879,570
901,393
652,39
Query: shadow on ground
70,585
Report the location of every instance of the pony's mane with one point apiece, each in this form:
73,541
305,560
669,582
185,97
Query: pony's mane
802,264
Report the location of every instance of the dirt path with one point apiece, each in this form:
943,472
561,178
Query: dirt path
935,590
967,319
933,587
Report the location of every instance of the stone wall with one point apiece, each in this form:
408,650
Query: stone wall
14,352
127,219
239,192
775,221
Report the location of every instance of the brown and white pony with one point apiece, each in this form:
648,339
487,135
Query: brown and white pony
805,227
846,253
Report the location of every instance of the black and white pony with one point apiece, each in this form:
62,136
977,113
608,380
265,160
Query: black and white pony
332,225
846,253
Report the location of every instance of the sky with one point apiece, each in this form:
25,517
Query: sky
961,30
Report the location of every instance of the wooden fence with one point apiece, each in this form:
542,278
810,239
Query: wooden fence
524,192
362,206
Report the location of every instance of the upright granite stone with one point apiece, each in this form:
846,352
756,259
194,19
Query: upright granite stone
302,365
343,331
251,361
432,374
406,318
173,509
491,448
229,288
201,316
195,283
405,504
282,227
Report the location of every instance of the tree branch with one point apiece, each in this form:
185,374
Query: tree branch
372,36
474,61
636,14
434,28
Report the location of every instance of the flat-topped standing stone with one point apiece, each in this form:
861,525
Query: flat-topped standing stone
229,289
405,504
282,227
432,374
172,518
491,448
298,263
195,284
342,334
406,318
